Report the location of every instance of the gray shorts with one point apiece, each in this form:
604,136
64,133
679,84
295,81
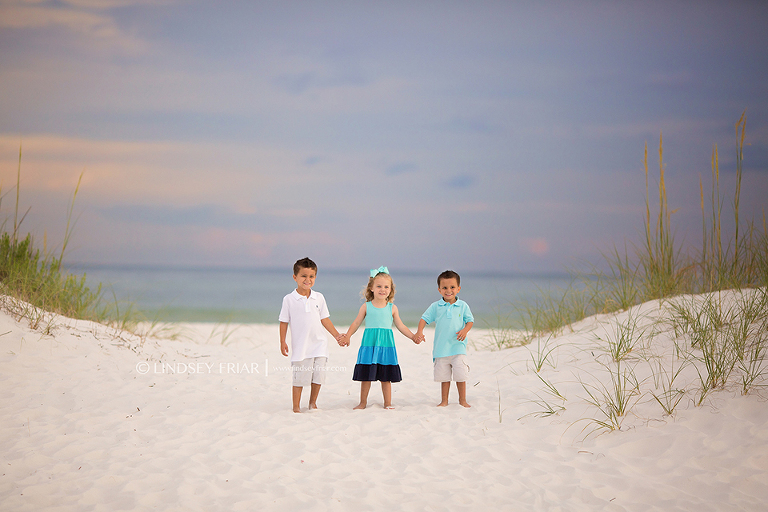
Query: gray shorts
451,368
309,371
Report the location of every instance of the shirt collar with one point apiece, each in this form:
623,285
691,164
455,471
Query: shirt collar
298,296
443,303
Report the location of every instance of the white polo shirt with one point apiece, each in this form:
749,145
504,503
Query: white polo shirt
303,315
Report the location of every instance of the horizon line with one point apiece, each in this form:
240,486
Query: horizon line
276,269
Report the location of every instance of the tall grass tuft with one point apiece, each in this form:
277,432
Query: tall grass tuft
33,283
658,268
624,339
659,258
723,336
730,336
614,402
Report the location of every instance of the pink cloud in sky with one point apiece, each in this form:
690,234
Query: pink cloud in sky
537,246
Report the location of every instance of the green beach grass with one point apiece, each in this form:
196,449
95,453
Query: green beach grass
722,334
34,285
658,268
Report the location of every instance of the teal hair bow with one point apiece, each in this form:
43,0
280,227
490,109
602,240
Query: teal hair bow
380,270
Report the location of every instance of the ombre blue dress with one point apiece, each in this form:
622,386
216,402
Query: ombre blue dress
377,357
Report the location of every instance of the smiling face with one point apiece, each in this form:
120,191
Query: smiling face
382,287
449,289
305,280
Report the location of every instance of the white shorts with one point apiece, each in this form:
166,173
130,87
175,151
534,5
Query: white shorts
309,371
451,366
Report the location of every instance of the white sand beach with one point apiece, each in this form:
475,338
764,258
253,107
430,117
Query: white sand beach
96,419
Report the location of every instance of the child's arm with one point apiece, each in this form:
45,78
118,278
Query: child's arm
356,323
427,318
462,334
326,322
400,325
283,333
329,326
419,336
469,322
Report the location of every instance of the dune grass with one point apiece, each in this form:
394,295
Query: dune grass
728,338
658,267
725,341
667,393
545,405
612,402
34,285
624,339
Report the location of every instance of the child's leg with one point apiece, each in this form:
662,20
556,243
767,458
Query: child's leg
314,391
318,379
296,398
302,376
445,387
365,387
386,391
461,387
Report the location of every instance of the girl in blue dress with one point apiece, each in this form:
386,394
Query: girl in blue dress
377,357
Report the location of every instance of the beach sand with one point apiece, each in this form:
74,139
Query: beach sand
96,419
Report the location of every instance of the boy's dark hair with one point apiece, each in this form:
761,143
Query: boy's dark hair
449,274
304,263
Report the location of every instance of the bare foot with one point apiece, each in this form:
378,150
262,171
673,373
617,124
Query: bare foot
442,404
464,403
389,406
313,406
297,409
361,405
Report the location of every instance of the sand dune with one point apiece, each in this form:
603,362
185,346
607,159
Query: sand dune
96,419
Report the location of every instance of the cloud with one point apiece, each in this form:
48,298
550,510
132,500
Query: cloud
110,4
313,160
477,207
476,125
294,213
141,172
204,215
535,246
296,83
462,181
77,18
401,168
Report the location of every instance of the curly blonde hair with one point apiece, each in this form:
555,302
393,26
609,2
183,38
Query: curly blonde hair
368,291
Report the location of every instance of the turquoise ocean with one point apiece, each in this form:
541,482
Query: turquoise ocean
249,295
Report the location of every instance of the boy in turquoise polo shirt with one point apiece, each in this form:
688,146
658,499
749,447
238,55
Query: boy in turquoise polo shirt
453,320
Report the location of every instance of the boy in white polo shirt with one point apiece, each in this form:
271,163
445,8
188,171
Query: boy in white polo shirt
453,320
305,311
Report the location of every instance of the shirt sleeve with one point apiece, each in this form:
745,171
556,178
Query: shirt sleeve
429,314
324,313
468,314
285,315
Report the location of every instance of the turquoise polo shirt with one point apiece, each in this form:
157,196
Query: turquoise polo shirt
449,319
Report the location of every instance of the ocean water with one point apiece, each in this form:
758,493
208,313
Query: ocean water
255,295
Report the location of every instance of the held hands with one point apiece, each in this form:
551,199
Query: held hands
418,338
343,340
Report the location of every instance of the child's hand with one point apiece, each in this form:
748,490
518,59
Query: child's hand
284,348
418,338
342,340
462,334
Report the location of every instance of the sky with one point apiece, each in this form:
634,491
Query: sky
421,135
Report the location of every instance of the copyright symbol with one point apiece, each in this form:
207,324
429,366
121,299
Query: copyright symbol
142,367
